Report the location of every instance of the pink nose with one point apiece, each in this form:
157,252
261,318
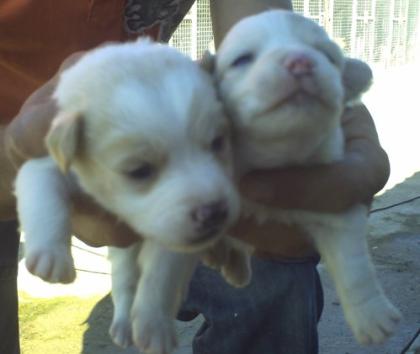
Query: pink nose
299,64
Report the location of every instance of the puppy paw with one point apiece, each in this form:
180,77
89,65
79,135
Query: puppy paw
237,269
154,335
216,256
232,259
51,263
373,321
120,332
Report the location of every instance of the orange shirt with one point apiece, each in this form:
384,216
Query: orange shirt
37,35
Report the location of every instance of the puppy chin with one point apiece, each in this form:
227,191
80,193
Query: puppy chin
177,233
273,121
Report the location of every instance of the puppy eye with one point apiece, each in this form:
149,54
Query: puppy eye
144,171
218,144
333,60
243,60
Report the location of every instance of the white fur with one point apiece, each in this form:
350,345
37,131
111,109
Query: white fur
280,120
123,108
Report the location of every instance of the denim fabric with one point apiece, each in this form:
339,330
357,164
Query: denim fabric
9,327
276,314
9,243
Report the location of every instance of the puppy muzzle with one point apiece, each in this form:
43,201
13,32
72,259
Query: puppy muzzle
209,220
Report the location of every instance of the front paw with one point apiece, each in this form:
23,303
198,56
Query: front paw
237,269
216,256
233,259
154,334
51,263
120,332
373,321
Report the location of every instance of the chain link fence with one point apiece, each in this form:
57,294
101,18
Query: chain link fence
382,32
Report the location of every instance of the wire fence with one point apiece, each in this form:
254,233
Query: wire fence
385,32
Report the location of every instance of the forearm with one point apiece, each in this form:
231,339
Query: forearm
30,127
24,137
225,13
319,188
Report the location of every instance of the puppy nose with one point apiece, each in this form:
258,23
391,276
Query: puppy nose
299,64
210,216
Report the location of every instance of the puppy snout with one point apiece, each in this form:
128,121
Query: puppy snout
210,216
299,64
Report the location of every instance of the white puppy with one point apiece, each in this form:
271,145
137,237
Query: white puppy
140,130
285,84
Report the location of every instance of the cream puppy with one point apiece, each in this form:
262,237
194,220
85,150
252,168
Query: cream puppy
140,130
285,84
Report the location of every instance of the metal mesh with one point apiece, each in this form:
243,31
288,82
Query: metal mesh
378,31
204,28
182,38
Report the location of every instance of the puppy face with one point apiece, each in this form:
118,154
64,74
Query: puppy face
281,78
142,129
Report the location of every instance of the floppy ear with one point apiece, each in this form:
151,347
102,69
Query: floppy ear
208,62
357,78
64,137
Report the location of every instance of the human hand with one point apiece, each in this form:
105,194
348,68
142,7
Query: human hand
362,172
97,227
272,239
335,187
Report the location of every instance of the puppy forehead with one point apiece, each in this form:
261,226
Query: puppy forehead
134,93
289,25
270,28
166,113
180,98
97,72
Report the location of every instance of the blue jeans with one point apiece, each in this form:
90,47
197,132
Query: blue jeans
9,328
276,314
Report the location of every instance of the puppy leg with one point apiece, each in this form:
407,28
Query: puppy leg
165,276
233,259
125,274
43,207
369,313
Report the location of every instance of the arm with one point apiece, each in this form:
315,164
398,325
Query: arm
225,13
362,172
24,137
24,140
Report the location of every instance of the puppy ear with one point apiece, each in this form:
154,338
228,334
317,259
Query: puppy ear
357,78
64,138
208,62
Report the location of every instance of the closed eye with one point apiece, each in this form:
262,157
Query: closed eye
218,144
143,172
243,60
331,58
332,52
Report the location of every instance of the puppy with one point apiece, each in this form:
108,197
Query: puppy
285,85
141,131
